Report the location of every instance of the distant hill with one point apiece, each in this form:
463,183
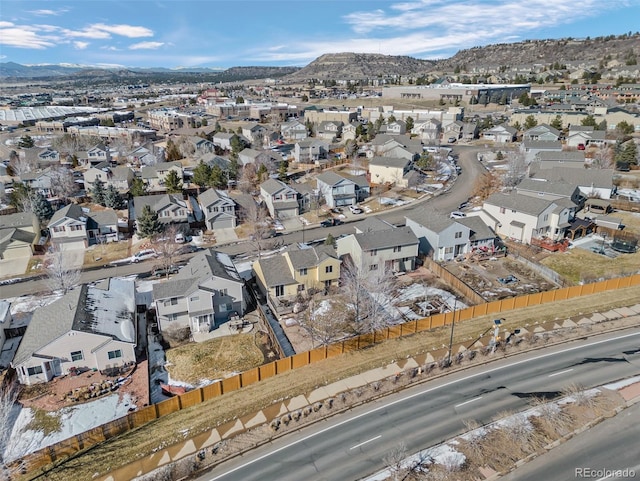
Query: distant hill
360,66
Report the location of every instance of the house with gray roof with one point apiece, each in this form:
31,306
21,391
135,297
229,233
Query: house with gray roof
428,131
522,217
171,208
311,151
551,190
500,134
19,234
389,170
204,294
377,245
531,148
583,137
591,182
93,326
329,130
121,177
337,190
552,159
75,227
294,130
541,133
154,176
219,209
283,201
298,269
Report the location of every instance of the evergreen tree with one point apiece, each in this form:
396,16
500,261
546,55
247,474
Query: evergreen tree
26,142
113,199
262,173
138,188
173,153
530,122
173,183
557,123
217,179
234,167
148,223
589,121
409,123
41,206
627,154
202,174
330,240
98,191
236,144
282,170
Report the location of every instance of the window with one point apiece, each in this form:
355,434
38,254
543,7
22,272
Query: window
397,248
303,271
77,356
328,269
448,250
114,354
58,229
502,210
546,217
458,235
373,267
32,371
75,227
279,290
174,301
172,317
373,252
300,287
222,308
224,292
194,298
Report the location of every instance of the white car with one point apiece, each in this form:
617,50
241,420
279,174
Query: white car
457,215
144,255
355,209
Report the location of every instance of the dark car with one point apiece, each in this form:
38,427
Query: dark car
163,271
330,222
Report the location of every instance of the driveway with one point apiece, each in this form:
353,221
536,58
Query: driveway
13,267
224,236
74,258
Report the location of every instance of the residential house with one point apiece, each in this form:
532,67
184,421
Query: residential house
541,133
204,294
48,157
223,140
142,156
246,206
329,130
219,209
257,157
582,137
470,131
350,131
377,245
591,182
361,185
40,181
90,327
428,131
522,217
254,132
395,127
95,155
75,227
389,170
282,200
5,323
297,270
546,160
500,134
293,130
454,129
19,235
311,151
154,176
337,190
121,177
171,208
552,190
531,148
200,146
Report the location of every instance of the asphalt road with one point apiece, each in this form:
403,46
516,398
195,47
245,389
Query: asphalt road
610,447
352,445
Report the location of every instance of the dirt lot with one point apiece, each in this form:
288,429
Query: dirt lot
483,277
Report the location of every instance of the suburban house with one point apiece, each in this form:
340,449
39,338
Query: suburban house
337,190
154,176
362,185
19,234
121,177
95,155
297,270
40,181
219,209
5,322
256,157
350,131
171,208
552,159
254,132
454,129
591,182
522,217
142,156
293,130
282,200
395,127
428,131
329,130
90,327
377,245
202,295
541,133
310,151
223,140
389,170
500,134
75,227
582,137
531,148
552,190
201,146
470,131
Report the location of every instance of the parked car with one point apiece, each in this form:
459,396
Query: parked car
144,254
510,279
456,214
464,205
451,140
355,209
330,222
336,210
163,271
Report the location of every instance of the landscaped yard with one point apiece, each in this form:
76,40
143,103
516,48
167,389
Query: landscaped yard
214,359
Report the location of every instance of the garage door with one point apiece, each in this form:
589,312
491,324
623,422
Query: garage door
72,245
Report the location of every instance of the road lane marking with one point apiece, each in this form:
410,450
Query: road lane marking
417,394
365,442
467,402
561,372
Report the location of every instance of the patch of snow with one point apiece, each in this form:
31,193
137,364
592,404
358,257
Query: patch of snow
622,384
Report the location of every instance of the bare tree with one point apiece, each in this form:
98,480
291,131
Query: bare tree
487,184
326,323
370,295
260,231
62,183
516,168
248,179
21,163
167,247
396,462
603,158
59,275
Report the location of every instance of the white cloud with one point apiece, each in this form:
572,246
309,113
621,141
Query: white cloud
146,45
45,12
130,31
22,36
110,48
80,45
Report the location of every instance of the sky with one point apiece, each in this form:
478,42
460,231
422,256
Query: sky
227,33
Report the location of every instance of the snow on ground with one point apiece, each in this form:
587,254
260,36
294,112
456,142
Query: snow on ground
422,291
73,420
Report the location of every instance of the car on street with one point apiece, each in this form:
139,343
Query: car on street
456,214
163,271
143,255
355,209
330,222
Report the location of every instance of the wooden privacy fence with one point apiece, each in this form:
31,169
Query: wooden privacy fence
70,446
458,284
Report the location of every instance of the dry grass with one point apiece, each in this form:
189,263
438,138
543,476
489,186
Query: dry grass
173,428
213,359
98,255
579,265
45,421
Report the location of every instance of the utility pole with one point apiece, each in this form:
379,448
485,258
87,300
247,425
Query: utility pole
453,322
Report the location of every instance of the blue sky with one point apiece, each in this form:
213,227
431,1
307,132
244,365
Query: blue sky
226,33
